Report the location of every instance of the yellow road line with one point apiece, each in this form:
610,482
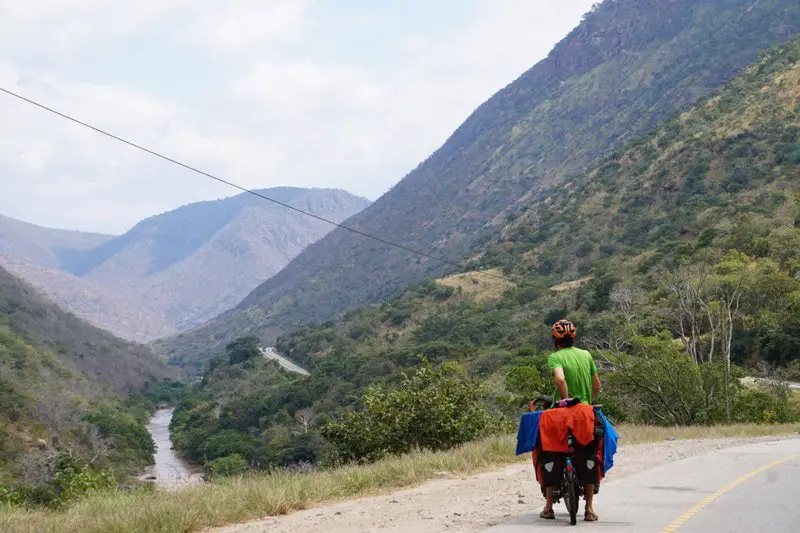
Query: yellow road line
682,519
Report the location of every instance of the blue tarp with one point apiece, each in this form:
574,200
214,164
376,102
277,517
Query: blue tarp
529,431
610,439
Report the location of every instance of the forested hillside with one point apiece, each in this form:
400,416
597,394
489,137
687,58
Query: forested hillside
66,404
628,66
678,257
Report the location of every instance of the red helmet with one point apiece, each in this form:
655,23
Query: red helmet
562,329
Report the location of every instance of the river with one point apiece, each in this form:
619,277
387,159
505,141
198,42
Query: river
170,469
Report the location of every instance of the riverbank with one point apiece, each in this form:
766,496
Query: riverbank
260,496
169,471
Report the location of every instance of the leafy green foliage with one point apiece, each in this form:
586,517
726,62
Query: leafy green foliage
429,410
243,350
74,479
231,465
525,383
132,444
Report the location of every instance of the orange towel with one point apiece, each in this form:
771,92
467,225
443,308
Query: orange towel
555,423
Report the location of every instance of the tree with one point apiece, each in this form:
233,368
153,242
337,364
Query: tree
525,382
243,349
695,312
661,376
626,299
732,278
304,417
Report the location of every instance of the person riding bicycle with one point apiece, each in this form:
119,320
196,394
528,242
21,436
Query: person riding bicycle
575,376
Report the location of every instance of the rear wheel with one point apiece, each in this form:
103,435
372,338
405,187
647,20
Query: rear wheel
571,493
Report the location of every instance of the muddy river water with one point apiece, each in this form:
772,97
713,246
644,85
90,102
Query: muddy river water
170,469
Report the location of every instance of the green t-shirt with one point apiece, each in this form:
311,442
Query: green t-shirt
578,368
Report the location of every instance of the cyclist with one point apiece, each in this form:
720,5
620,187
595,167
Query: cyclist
575,376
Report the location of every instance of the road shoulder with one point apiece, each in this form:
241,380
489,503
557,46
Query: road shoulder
472,503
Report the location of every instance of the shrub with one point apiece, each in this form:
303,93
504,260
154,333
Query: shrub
130,438
525,383
228,442
242,350
230,465
760,407
73,479
398,317
429,410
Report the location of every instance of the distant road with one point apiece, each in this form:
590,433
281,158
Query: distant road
791,385
749,489
272,353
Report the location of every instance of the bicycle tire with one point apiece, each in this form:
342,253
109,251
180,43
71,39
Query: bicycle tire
571,496
573,513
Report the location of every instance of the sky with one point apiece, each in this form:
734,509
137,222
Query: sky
349,94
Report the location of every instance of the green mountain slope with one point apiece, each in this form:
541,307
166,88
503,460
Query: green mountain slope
716,190
628,66
64,385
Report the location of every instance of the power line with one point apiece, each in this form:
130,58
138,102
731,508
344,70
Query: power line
235,186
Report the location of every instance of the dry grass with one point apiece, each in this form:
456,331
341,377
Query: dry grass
643,434
477,287
253,497
569,285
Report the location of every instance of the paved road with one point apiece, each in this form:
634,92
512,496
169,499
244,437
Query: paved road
272,353
745,489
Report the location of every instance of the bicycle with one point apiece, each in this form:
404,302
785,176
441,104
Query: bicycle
571,488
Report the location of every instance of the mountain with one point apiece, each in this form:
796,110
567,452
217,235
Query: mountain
120,365
707,204
177,269
42,246
629,65
56,369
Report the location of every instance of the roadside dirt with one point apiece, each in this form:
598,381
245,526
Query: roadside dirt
467,504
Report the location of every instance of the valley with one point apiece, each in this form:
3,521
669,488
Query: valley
629,65
232,361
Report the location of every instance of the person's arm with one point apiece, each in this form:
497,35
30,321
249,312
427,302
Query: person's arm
597,387
561,382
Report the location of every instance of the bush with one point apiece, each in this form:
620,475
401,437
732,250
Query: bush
525,383
228,442
429,410
230,465
132,442
73,479
791,372
28,497
12,403
760,407
242,350
398,317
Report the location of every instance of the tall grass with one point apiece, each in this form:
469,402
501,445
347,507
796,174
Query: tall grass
256,496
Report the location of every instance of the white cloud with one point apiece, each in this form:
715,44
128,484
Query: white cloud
235,27
57,28
270,98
